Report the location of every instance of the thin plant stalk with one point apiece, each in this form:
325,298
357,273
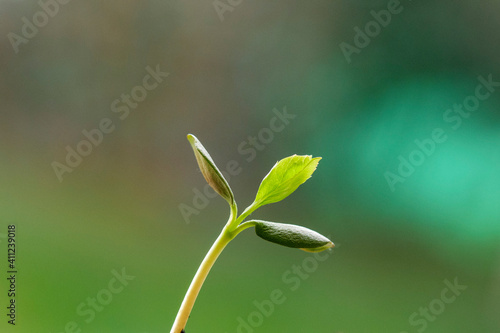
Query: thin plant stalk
194,288
199,278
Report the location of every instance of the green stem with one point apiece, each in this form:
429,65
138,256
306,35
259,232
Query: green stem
199,278
187,304
243,226
249,210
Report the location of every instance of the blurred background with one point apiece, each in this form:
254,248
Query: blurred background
255,81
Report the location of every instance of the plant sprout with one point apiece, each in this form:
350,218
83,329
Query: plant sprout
283,179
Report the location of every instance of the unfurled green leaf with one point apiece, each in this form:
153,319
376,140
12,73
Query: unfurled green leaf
292,236
285,177
210,171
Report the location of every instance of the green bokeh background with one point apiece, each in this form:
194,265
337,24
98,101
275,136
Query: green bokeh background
120,207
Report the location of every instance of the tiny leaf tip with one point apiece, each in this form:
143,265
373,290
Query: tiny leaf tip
291,235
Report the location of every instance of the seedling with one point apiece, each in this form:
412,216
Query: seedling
283,179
